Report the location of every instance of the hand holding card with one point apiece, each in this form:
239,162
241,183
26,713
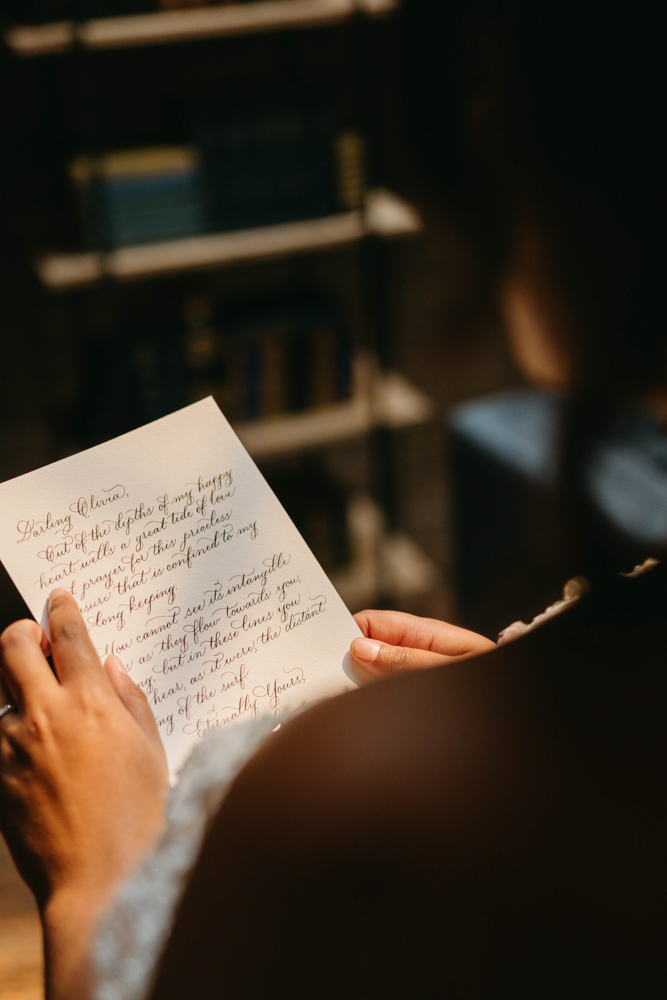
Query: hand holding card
184,565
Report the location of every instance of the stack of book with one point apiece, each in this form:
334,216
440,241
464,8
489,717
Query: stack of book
263,360
139,195
259,162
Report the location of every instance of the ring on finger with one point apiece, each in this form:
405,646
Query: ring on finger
6,709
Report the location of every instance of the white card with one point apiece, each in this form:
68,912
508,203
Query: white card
186,566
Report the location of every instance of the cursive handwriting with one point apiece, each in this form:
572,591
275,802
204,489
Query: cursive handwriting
35,529
277,687
85,505
177,585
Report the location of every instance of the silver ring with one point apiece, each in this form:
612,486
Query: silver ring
6,709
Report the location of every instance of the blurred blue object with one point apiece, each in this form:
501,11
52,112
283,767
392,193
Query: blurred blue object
518,428
509,558
627,477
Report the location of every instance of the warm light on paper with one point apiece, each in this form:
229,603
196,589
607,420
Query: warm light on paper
186,566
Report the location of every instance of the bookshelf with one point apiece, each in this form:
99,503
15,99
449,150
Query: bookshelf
116,89
170,27
379,399
380,559
384,215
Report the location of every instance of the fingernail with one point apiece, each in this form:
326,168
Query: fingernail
57,593
118,663
366,649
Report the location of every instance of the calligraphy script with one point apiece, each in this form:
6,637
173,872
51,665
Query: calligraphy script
185,565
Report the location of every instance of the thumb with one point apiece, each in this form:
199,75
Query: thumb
132,697
383,659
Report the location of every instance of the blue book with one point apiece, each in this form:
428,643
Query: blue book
140,195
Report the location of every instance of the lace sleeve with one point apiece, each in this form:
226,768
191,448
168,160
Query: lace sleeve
134,930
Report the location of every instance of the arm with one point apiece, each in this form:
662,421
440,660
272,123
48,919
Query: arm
83,778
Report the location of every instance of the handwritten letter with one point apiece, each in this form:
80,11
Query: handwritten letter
186,566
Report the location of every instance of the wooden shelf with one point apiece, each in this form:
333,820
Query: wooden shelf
385,215
167,27
383,563
378,400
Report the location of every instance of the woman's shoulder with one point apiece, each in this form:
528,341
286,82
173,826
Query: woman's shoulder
411,817
584,677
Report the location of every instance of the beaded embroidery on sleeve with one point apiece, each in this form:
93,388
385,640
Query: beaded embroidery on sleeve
572,591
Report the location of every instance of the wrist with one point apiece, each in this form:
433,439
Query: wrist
79,899
70,918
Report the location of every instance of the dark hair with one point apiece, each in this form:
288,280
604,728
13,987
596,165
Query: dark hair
555,109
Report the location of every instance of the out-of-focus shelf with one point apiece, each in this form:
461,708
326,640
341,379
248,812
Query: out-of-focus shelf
385,399
384,215
166,27
383,562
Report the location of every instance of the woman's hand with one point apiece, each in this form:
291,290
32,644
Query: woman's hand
396,642
83,777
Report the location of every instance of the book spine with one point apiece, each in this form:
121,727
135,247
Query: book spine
261,361
252,364
118,211
322,387
273,392
350,163
344,356
299,369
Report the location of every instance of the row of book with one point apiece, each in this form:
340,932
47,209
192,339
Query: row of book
259,162
139,195
261,360
257,359
143,380
44,11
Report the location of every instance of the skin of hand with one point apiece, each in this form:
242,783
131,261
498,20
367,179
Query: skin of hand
83,780
395,642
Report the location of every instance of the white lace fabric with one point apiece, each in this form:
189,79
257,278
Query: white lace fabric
134,931
572,591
